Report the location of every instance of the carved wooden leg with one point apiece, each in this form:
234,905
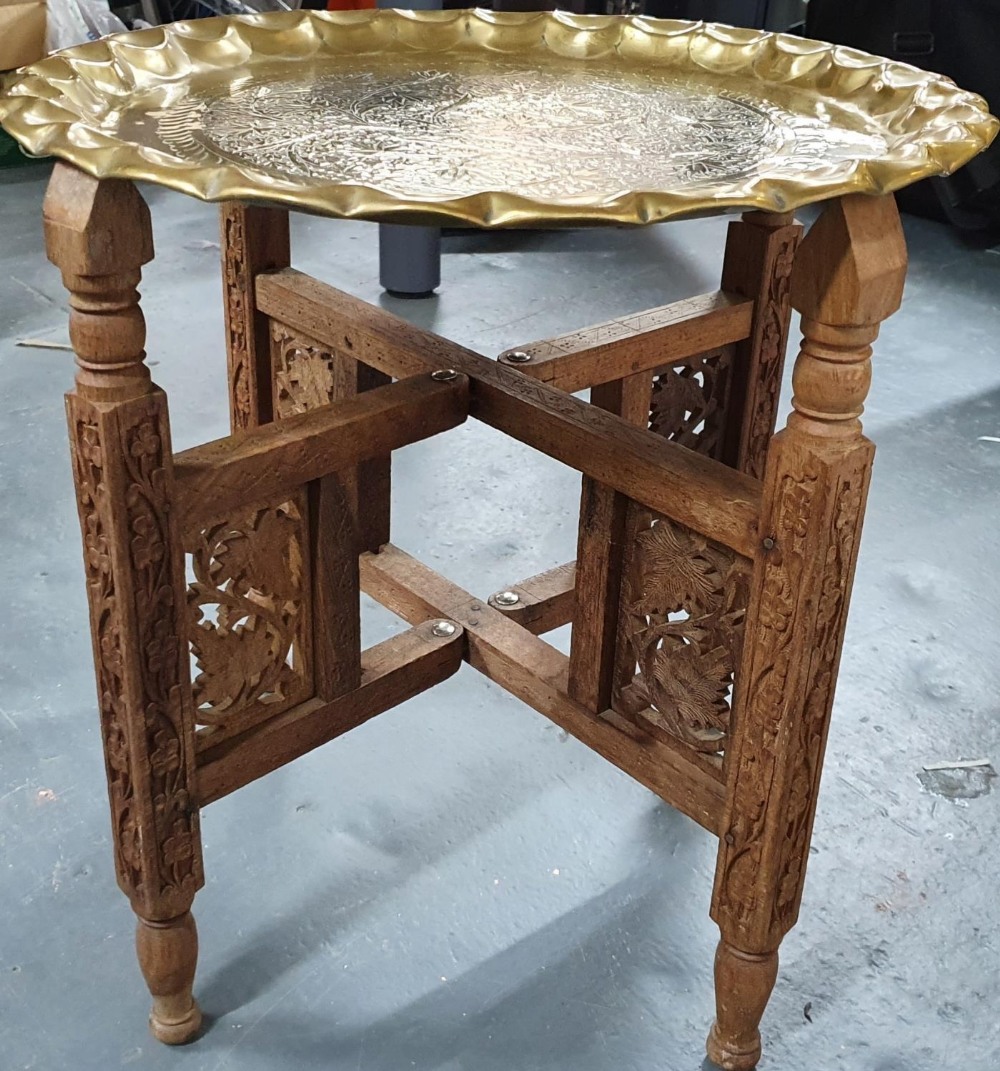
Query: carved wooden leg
743,984
168,955
254,240
98,234
760,249
848,277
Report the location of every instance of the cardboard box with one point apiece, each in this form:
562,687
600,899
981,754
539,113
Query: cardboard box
22,32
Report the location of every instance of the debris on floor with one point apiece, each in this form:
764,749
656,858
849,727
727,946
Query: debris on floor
43,344
964,779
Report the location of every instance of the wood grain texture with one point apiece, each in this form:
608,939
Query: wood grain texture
254,239
700,493
743,985
545,601
98,233
391,672
600,556
760,251
658,594
681,598
308,375
848,277
261,464
336,592
680,632
135,584
249,616
168,956
536,673
641,343
348,509
691,401
342,322
374,477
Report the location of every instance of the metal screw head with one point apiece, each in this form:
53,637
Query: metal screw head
516,356
444,375
506,598
768,543
443,628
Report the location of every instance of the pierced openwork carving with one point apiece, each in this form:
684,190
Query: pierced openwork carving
688,402
684,599
249,613
157,858
304,372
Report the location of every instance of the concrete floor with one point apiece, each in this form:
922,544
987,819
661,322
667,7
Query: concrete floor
455,885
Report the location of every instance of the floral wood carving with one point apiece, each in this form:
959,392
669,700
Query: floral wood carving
683,605
810,730
235,269
304,372
249,613
143,705
813,502
688,402
766,381
683,597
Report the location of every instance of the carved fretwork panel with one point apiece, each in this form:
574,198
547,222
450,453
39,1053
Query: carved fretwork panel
683,604
683,597
305,373
689,399
249,610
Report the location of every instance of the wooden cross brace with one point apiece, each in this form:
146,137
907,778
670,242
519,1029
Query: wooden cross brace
707,601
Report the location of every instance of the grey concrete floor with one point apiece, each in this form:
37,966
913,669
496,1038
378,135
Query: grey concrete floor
455,885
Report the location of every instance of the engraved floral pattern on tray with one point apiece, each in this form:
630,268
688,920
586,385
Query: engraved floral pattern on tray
260,107
460,128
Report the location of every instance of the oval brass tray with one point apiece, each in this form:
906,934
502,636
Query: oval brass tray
492,119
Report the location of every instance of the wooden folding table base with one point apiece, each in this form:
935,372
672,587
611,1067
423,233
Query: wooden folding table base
708,598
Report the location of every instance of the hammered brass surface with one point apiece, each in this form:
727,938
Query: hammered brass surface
493,119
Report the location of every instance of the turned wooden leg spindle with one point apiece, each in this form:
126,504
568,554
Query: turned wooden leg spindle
168,955
848,278
743,984
98,234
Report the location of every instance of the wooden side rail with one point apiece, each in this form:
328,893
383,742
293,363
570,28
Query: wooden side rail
535,672
640,343
541,603
698,492
262,463
391,672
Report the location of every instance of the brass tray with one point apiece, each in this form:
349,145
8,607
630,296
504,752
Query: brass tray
492,119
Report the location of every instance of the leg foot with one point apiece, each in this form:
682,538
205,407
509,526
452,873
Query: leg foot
743,984
168,955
